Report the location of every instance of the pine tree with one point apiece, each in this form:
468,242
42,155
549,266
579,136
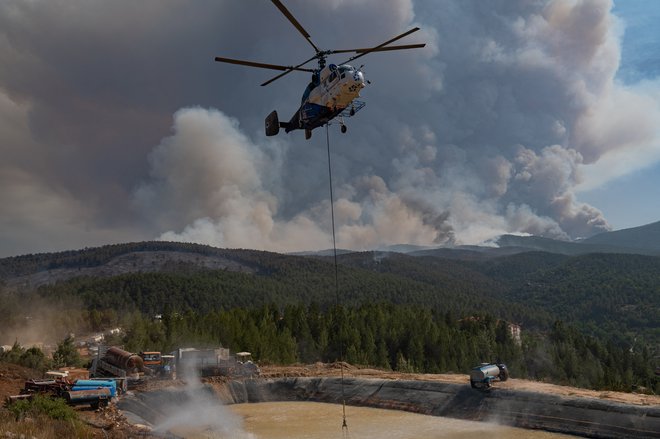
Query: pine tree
66,353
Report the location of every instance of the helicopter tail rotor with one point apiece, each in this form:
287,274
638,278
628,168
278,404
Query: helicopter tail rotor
272,124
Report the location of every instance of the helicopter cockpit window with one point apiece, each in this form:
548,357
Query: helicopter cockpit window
344,69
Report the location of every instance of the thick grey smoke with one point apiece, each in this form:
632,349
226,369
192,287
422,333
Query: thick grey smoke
492,128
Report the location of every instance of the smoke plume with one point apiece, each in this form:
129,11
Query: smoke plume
492,128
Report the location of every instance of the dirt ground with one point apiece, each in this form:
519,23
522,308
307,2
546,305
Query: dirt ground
12,379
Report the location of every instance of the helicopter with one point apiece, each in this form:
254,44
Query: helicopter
334,88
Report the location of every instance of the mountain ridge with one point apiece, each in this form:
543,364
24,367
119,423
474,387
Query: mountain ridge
613,293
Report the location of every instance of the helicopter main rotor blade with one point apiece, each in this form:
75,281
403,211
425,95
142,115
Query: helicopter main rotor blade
291,69
374,49
293,21
261,65
382,49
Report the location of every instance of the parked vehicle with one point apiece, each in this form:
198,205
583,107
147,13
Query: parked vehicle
482,377
152,360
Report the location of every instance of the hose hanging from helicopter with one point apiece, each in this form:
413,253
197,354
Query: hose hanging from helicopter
344,425
332,91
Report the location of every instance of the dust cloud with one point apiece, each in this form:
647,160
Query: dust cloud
32,320
199,413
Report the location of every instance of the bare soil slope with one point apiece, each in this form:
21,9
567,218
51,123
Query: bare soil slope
12,379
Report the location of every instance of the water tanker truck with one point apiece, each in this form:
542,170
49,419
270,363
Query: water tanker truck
96,398
482,377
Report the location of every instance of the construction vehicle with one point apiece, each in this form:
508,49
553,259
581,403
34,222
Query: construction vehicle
160,365
116,362
245,366
482,377
124,360
152,360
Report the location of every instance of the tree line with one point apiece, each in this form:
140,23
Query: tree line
404,338
401,337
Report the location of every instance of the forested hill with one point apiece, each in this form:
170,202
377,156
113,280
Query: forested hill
614,296
604,294
643,240
196,254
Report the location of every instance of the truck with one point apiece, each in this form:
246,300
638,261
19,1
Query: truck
482,377
245,366
153,360
161,365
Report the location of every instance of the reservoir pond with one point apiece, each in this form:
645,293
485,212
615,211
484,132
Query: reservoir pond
310,420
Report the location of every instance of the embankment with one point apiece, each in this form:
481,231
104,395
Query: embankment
578,416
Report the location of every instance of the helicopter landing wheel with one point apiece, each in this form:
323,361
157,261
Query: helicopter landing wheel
344,128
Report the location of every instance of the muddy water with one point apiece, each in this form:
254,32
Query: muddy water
308,420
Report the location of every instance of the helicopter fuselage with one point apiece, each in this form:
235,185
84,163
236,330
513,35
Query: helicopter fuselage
330,92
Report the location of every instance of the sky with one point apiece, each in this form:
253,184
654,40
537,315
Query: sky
630,201
519,116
